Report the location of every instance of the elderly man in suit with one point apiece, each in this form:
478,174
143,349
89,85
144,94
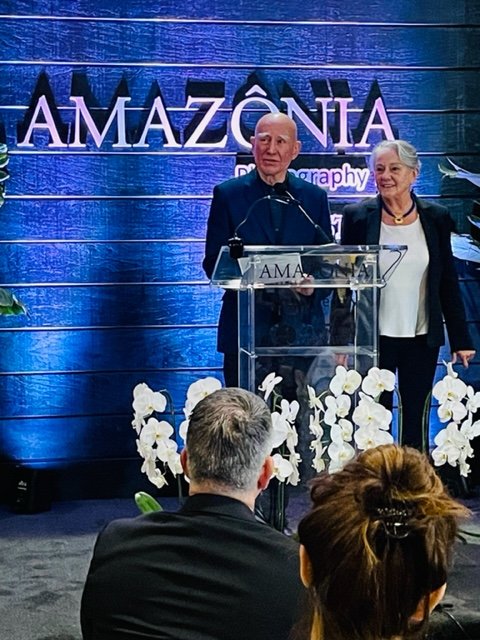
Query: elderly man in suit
211,570
241,201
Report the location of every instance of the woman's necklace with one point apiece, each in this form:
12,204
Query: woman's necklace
398,218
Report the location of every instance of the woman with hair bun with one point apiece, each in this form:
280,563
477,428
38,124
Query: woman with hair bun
376,546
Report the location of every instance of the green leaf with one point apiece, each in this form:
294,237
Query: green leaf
10,305
147,503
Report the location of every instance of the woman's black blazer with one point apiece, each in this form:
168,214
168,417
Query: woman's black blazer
361,225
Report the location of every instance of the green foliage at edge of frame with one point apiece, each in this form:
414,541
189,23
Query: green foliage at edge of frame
10,305
4,175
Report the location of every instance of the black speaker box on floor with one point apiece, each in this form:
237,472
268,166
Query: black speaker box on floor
32,490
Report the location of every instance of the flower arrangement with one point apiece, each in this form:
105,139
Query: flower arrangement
344,419
458,403
157,439
285,436
365,422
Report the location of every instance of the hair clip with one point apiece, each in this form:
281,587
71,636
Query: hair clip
395,520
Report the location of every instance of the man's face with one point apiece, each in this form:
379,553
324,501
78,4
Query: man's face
274,147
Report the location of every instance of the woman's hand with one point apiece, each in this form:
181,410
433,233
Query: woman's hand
465,356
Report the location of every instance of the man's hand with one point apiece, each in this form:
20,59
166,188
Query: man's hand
305,291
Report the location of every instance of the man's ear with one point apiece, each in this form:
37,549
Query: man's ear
252,142
184,461
296,149
306,571
265,474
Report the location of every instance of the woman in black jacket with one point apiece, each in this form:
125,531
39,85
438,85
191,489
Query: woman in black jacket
424,288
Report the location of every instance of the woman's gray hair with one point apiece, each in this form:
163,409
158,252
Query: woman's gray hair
405,151
229,436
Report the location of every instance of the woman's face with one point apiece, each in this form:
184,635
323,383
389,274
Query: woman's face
393,178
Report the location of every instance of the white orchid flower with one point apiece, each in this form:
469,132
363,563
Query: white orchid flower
284,425
318,463
165,449
365,437
340,454
280,430
467,451
146,401
470,430
155,431
448,453
282,468
452,446
294,477
336,407
342,431
176,466
268,384
198,390
377,381
368,412
289,410
292,439
145,450
183,429
317,446
370,436
344,381
157,478
148,465
449,389
473,402
451,436
451,410
384,437
439,456
314,401
464,468
463,465
314,425
138,422
171,457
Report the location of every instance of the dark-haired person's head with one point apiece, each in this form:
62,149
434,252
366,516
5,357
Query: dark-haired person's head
376,546
228,445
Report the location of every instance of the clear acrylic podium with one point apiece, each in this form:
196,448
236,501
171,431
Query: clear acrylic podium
302,310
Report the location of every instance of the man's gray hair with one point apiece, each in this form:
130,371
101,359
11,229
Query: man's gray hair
405,151
228,438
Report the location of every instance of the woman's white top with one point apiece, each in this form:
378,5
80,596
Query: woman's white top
403,301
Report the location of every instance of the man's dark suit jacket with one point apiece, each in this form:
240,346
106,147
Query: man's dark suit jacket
207,572
361,225
231,203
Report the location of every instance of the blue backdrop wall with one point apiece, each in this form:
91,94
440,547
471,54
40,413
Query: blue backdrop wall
120,118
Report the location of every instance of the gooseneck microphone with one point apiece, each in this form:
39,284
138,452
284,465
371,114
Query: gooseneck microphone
281,190
282,195
236,243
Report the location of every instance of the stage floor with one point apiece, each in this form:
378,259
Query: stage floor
45,557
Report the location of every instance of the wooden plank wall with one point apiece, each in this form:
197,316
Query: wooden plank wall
104,245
